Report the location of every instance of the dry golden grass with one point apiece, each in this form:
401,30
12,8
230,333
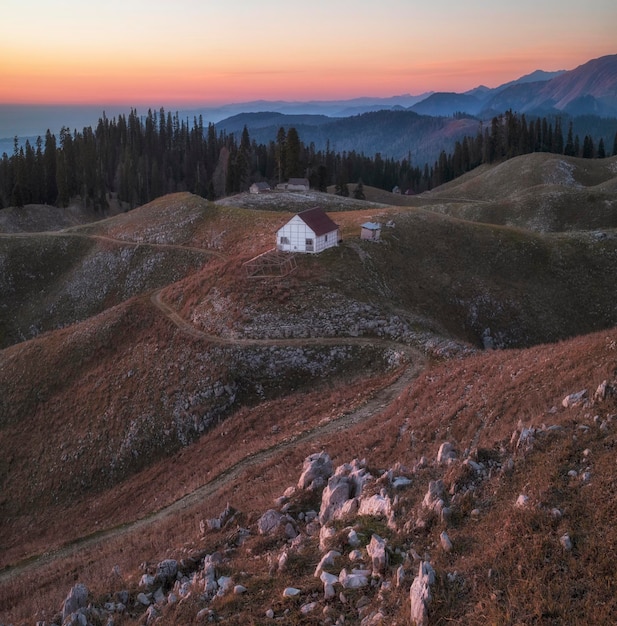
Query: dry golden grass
74,392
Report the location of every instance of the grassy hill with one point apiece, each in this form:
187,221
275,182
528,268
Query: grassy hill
141,363
540,192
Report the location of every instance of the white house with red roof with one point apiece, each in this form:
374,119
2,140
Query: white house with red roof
308,231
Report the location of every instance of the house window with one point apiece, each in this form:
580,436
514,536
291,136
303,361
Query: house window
308,244
325,238
285,241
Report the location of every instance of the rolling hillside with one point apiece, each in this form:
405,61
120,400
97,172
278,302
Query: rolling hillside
147,380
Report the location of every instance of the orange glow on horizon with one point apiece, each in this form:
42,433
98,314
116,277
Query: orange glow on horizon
214,55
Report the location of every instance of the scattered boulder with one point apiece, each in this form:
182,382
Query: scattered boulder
354,580
316,471
446,454
378,505
166,571
75,600
605,390
225,584
566,542
378,553
336,493
326,534
270,521
420,593
352,538
574,399
147,580
151,615
522,501
143,599
434,497
523,438
400,482
355,555
328,580
347,483
446,543
305,609
326,561
291,592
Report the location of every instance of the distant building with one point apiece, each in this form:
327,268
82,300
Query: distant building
260,187
308,231
297,184
371,231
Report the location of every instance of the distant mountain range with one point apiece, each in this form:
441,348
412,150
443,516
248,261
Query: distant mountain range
395,126
434,122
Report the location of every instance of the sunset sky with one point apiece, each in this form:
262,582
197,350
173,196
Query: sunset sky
189,52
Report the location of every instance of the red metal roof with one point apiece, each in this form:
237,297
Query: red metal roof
317,221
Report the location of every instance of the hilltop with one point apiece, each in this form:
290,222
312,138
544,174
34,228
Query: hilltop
149,381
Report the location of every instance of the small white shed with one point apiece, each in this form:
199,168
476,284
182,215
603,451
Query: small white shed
308,231
371,231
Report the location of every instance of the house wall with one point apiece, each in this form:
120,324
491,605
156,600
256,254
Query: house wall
297,232
369,233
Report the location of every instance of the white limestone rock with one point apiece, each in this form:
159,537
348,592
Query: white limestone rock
378,553
326,561
434,497
574,399
446,454
378,505
166,571
522,501
76,599
420,594
337,492
353,580
326,533
446,543
316,471
291,592
270,521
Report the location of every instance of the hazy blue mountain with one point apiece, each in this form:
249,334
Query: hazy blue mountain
590,89
393,133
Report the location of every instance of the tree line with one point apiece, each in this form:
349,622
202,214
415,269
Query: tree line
139,158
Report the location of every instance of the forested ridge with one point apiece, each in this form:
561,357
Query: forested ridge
138,158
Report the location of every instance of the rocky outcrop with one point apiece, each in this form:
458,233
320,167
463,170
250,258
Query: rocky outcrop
363,544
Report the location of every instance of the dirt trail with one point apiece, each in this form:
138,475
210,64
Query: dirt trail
106,238
374,406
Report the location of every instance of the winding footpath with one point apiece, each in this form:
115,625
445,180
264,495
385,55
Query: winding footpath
375,405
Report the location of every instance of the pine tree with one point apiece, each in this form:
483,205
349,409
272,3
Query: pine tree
358,192
322,178
557,147
601,149
292,154
281,138
588,147
50,163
